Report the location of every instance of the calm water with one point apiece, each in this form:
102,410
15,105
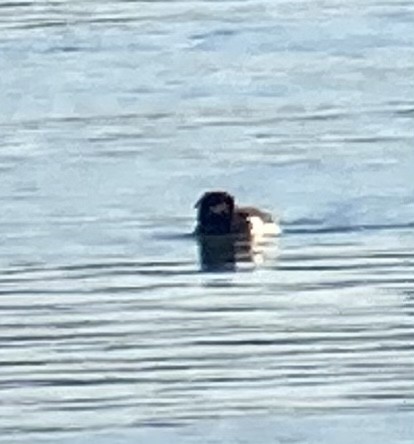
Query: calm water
114,118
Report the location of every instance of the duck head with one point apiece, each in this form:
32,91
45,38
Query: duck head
215,213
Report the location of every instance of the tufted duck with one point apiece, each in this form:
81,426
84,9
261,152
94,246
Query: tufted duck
218,215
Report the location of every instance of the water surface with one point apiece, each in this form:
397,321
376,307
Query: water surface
114,118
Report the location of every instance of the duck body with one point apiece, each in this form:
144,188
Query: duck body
218,215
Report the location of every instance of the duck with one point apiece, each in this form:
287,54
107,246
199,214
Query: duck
218,215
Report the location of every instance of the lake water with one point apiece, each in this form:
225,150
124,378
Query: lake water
114,117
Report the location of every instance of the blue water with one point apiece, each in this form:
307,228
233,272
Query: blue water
114,118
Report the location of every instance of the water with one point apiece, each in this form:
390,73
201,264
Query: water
114,118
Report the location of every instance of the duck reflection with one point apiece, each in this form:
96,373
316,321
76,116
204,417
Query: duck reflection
225,252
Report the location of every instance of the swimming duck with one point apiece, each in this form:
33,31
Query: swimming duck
219,215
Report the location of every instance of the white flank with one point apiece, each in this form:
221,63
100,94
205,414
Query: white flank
260,228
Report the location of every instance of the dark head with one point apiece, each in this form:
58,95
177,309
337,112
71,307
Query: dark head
215,213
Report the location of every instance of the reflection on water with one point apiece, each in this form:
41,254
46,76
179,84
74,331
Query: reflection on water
325,327
219,253
228,253
114,117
